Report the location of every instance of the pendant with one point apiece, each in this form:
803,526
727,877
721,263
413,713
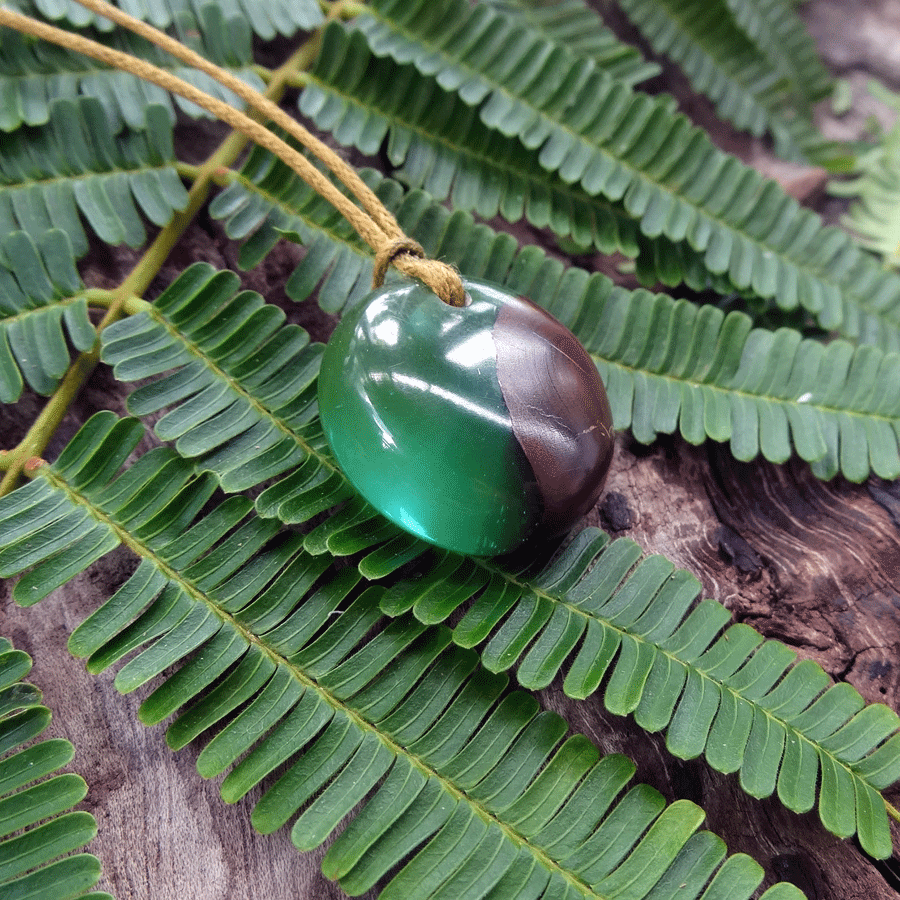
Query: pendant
471,427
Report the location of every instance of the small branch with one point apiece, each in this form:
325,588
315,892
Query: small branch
187,171
347,9
99,297
892,811
300,80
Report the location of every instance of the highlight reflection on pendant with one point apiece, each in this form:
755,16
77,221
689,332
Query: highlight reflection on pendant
471,427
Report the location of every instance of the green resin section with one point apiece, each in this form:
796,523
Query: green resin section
412,409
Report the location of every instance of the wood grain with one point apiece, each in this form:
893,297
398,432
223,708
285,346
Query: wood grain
806,562
815,565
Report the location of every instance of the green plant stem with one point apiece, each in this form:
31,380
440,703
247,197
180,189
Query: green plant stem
99,297
299,80
348,9
265,73
187,171
124,300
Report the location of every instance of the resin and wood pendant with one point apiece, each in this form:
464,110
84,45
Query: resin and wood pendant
471,427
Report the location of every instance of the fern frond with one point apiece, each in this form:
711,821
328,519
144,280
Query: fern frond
37,861
266,18
242,404
781,36
442,146
720,62
875,190
479,790
668,365
74,163
672,365
580,28
629,147
581,627
40,305
611,619
34,74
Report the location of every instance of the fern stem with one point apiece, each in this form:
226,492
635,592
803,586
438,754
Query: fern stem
45,425
124,299
264,73
188,171
300,80
99,297
349,9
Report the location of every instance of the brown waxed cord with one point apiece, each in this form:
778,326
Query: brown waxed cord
271,110
374,223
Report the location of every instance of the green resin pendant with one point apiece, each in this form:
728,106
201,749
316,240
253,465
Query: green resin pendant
470,427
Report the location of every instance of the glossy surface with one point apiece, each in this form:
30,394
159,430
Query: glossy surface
453,422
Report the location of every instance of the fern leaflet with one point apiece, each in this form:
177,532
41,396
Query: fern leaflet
875,190
40,305
668,365
74,163
36,859
782,38
722,63
603,614
266,18
581,29
33,75
588,625
443,147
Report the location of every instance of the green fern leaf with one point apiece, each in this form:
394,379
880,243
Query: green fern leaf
668,365
629,147
479,790
724,64
644,626
39,307
243,405
875,190
269,367
603,614
782,38
266,18
49,173
36,859
34,74
442,146
578,27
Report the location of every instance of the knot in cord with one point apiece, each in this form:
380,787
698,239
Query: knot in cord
410,258
389,252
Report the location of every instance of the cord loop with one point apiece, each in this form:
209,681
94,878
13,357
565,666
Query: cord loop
388,253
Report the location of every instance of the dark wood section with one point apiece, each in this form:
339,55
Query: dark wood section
559,411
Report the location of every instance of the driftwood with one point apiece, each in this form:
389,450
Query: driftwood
814,565
809,563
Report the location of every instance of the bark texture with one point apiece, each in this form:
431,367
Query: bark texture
814,565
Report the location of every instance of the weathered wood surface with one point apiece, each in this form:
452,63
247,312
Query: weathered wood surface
815,565
811,564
